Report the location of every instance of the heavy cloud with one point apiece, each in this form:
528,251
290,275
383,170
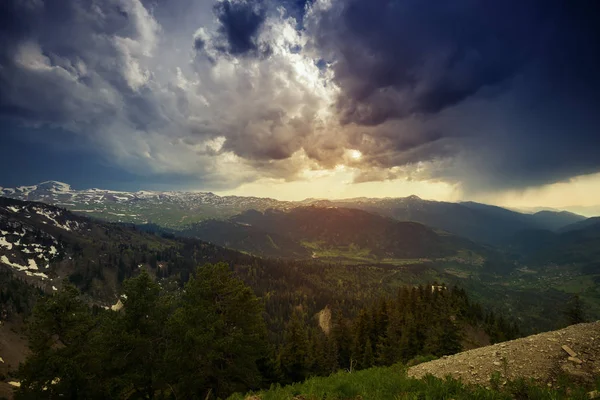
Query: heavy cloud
494,95
490,95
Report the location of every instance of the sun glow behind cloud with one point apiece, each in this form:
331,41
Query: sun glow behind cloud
338,184
576,193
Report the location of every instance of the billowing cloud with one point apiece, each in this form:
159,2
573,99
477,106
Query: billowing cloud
483,95
398,58
232,101
491,96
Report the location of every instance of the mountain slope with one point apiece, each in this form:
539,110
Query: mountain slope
539,247
168,209
555,221
330,232
44,245
581,224
177,210
479,222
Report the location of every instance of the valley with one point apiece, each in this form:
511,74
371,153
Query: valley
315,258
525,276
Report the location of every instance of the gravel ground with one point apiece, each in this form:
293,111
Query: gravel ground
541,357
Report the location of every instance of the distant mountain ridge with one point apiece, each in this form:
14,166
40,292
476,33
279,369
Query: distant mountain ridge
169,209
581,224
179,210
479,222
333,233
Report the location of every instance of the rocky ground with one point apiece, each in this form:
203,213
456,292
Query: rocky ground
573,351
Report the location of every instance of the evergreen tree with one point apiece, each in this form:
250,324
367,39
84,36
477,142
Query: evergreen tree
574,311
294,355
368,358
59,363
341,339
131,343
216,336
361,333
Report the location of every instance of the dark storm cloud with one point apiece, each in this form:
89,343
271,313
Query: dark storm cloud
396,58
512,85
70,62
489,94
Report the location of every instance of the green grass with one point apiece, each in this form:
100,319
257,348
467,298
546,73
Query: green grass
577,284
351,253
272,243
383,383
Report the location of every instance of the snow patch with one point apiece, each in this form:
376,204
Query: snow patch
23,268
5,243
118,306
6,261
39,274
32,264
52,217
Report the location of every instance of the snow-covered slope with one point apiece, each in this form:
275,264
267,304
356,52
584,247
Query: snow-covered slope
53,192
179,210
167,208
30,237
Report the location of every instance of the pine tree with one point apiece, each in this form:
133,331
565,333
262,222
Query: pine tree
331,356
361,332
294,355
59,338
217,336
388,347
574,311
131,343
368,358
341,338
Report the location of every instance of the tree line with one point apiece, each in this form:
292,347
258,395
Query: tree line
211,337
416,321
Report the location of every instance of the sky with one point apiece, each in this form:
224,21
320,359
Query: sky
449,100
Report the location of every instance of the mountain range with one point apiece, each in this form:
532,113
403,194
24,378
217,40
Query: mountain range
532,273
96,238
180,210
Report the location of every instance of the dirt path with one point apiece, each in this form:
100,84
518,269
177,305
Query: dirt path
540,357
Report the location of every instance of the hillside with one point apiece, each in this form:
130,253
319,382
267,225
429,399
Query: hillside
557,220
541,357
535,367
331,233
97,256
581,224
479,222
44,245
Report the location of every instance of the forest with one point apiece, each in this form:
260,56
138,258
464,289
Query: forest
214,335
